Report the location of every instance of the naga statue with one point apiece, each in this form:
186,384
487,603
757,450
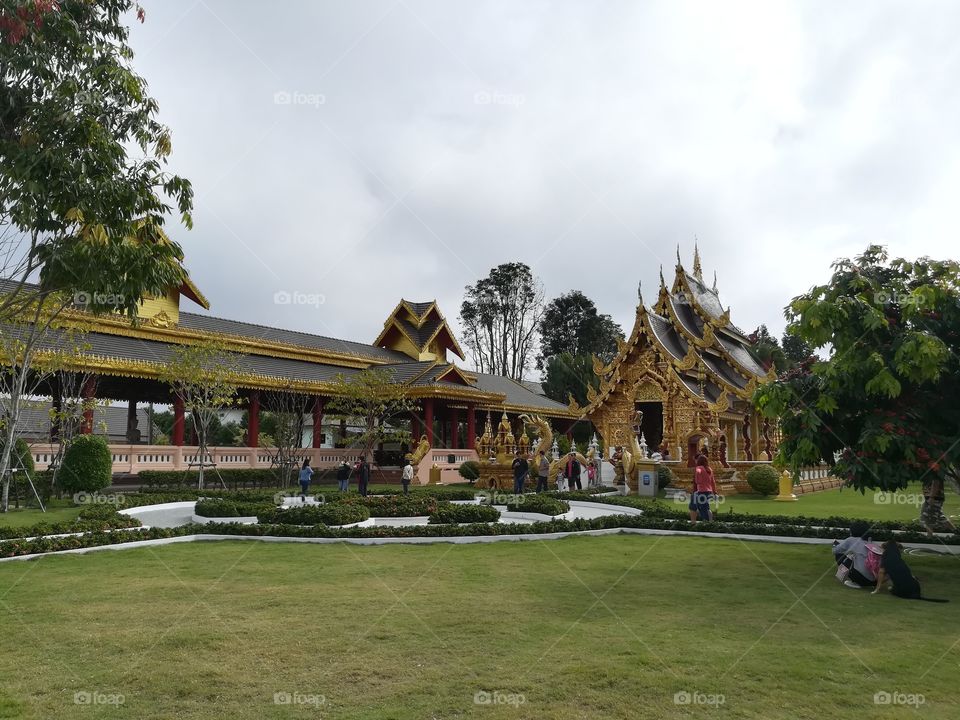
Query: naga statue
419,452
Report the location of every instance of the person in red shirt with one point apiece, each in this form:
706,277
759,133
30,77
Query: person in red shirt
704,489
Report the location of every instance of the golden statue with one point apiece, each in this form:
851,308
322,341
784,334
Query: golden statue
420,452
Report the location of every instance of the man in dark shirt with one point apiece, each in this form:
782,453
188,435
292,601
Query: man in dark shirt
573,472
520,470
363,475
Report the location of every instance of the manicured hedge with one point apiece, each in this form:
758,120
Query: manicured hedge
11,548
447,513
219,507
392,505
537,503
234,478
329,514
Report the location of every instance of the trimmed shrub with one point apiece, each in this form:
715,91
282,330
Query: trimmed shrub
329,514
393,505
543,504
87,465
763,479
234,478
664,477
450,514
470,470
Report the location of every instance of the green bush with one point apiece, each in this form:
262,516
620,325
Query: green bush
763,479
234,478
87,465
392,505
664,476
543,504
470,470
448,513
337,513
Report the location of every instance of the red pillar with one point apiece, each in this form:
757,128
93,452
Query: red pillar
428,419
89,394
253,420
317,421
471,426
177,432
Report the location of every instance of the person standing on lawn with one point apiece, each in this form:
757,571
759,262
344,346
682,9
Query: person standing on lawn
343,476
406,477
520,469
363,475
573,471
306,474
704,489
543,472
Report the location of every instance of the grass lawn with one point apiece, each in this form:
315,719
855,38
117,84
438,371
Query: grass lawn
57,511
606,627
845,503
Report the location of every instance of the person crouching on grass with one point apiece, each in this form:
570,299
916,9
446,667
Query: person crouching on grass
704,489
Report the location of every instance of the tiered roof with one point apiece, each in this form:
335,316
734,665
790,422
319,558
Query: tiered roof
688,325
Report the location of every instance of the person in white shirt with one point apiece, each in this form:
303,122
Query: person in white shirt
407,477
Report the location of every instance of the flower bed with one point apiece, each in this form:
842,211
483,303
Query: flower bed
538,504
329,514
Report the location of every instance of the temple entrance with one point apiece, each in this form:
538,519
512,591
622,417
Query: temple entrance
652,424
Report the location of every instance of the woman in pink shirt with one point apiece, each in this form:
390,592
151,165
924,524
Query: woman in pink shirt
704,489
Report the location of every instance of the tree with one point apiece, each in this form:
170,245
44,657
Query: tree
501,314
767,348
284,423
79,211
885,400
795,350
87,465
375,403
568,375
203,376
571,324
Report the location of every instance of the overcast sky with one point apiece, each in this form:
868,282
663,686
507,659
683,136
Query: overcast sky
368,151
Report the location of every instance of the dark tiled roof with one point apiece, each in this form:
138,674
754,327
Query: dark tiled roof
706,297
407,371
740,353
533,387
516,393
207,323
419,307
35,421
675,343
687,317
722,369
421,335
711,391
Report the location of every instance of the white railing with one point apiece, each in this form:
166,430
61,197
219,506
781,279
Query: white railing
131,459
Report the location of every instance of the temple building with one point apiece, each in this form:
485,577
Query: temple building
684,378
127,359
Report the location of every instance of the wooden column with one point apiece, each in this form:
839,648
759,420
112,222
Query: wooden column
253,419
317,421
747,443
177,430
415,431
428,419
131,418
471,426
89,394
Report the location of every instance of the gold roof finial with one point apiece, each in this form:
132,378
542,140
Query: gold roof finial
714,280
663,283
679,264
697,270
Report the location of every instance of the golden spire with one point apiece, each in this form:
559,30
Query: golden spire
714,280
679,264
697,270
663,283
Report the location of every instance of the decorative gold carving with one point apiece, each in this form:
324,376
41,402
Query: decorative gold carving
648,392
420,452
